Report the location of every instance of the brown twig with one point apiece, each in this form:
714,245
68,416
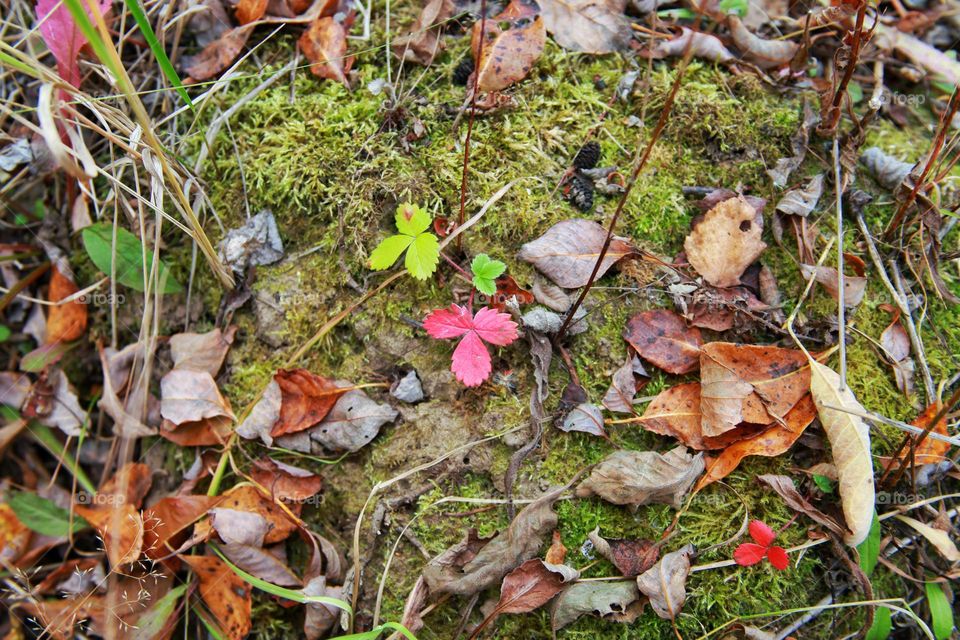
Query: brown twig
473,112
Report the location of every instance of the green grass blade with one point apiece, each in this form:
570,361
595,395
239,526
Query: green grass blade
165,65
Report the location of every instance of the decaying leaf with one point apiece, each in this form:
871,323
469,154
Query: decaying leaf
251,10
623,387
226,595
14,535
619,601
261,563
191,396
785,488
937,537
666,582
642,477
588,26
66,321
703,45
896,347
530,586
421,42
888,171
763,53
802,200
931,450
507,56
780,173
285,482
661,337
676,412
264,415
854,287
630,557
352,423
219,54
568,251
247,498
166,522
239,527
201,351
121,529
850,444
556,553
128,485
725,241
324,44
60,406
585,417
306,400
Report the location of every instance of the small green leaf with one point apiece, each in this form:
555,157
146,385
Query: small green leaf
869,549
823,482
43,516
41,357
388,251
677,14
882,625
941,613
736,7
152,621
376,632
411,219
4,333
423,256
98,241
485,271
855,91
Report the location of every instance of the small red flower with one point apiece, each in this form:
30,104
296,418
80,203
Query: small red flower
749,554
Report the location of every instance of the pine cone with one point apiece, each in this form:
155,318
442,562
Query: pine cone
588,156
462,73
580,192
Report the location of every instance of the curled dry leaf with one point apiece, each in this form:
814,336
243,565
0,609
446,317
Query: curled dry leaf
588,26
285,482
352,423
219,54
802,200
725,241
642,477
662,338
888,171
507,56
261,563
585,417
247,498
854,287
166,522
630,557
623,387
306,399
666,582
556,553
530,586
239,527
324,44
703,45
421,42
769,443
850,444
201,351
67,321
763,53
931,450
676,412
937,537
226,595
618,601
568,251
261,420
785,488
780,173
896,346
128,485
59,406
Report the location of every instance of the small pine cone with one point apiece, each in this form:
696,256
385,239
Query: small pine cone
580,192
462,73
588,156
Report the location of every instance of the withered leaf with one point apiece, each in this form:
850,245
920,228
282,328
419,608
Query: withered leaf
191,396
556,553
630,557
324,44
931,450
618,601
165,523
203,433
585,417
676,412
225,594
201,351
568,251
725,241
666,582
589,26
352,423
219,54
66,321
507,56
785,488
121,529
128,485
801,201
799,142
763,53
623,387
250,10
239,527
661,337
247,498
306,400
319,617
531,585
896,347
260,563
642,477
854,287
261,420
285,482
421,42
64,411
704,46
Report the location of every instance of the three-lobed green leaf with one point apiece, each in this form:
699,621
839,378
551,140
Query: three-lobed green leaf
421,246
98,241
485,272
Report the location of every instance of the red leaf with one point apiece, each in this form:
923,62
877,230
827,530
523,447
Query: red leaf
778,558
748,554
663,338
761,533
62,35
307,399
471,360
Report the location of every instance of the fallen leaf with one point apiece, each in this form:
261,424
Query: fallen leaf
507,56
769,443
64,411
261,563
623,387
250,10
530,586
60,617
507,290
550,295
937,537
703,45
225,594
165,523
764,53
556,553
126,414
888,171
247,498
854,287
642,477
802,200
931,450
619,601
471,360
568,251
630,557
799,143
785,488
201,351
896,347
203,433
239,527
63,37
121,529
352,423
68,321
320,618
676,412
128,485
14,535
421,42
588,26
285,482
662,337
264,415
324,44
586,418
191,396
665,583
306,400
725,241
850,444
219,54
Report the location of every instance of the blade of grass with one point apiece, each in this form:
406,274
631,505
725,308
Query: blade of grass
162,60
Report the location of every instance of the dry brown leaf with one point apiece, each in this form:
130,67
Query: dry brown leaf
764,53
676,412
801,201
191,396
247,498
528,587
725,241
14,535
201,351
704,46
128,485
785,488
769,443
850,444
507,55
353,422
324,44
662,337
556,553
642,477
568,251
285,482
421,43
250,10
896,346
59,617
226,595
67,321
931,450
666,582
219,54
630,557
165,523
623,387
854,287
203,433
589,26
306,400
121,529
937,537
618,601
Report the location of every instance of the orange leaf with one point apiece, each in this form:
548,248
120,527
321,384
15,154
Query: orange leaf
508,56
68,321
247,498
250,10
930,450
663,338
224,593
166,522
14,535
325,46
676,412
306,399
121,528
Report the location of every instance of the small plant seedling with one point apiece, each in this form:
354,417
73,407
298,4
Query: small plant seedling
421,246
748,553
485,272
471,360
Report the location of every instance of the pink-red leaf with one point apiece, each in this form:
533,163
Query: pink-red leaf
62,35
448,323
778,558
761,533
471,360
495,327
748,554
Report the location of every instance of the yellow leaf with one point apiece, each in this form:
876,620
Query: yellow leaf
936,537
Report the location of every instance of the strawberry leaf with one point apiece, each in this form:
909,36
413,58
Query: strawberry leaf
748,554
423,256
388,251
411,219
423,248
471,359
761,533
778,558
485,272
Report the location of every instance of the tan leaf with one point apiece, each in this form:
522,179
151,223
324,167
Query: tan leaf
937,537
850,443
121,529
324,44
854,287
703,45
676,412
725,241
589,26
165,523
507,55
128,485
285,482
643,477
201,351
661,337
225,594
67,321
764,53
557,552
421,42
306,400
191,396
666,582
568,251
